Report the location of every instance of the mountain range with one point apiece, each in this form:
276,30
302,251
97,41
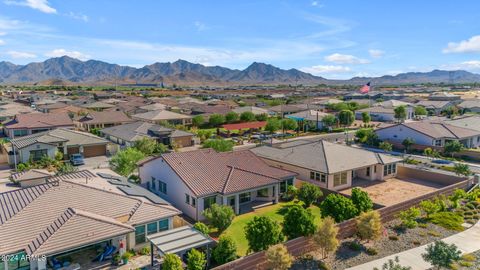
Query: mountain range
69,70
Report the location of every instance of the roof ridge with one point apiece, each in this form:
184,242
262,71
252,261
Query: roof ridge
134,209
325,156
246,170
449,130
232,168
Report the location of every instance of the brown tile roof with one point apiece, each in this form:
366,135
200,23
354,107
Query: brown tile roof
104,117
206,171
26,213
39,120
440,130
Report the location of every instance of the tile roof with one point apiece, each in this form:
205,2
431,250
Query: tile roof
39,120
323,156
104,117
258,124
433,104
207,172
253,109
466,121
25,214
440,130
54,136
30,174
98,105
137,130
472,103
160,115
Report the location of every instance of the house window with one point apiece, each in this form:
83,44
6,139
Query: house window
17,261
323,178
374,169
245,197
368,171
312,175
389,169
437,143
162,187
208,201
340,179
262,192
153,184
152,228
20,132
38,154
187,199
140,234
194,202
163,225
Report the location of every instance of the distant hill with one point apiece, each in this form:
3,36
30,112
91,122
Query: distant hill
67,70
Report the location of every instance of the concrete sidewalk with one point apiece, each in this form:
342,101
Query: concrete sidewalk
466,241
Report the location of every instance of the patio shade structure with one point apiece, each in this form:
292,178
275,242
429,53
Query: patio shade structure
178,240
247,125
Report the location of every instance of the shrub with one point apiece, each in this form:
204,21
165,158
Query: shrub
409,216
298,221
196,260
278,257
201,227
361,200
145,251
441,254
125,161
393,265
429,207
447,220
262,232
355,246
434,233
220,216
326,236
323,266
369,225
393,237
218,145
371,251
291,193
339,207
172,262
225,251
423,225
416,243
469,257
309,193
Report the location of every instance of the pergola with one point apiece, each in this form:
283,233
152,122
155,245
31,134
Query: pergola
178,241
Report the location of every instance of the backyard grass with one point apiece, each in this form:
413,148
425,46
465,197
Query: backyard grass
275,212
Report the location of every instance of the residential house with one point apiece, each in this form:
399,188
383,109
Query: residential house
9,110
469,121
445,96
98,106
71,217
429,134
127,134
193,181
47,143
471,105
329,165
435,107
101,120
160,116
309,119
252,109
31,123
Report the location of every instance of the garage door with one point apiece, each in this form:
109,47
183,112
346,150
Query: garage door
94,150
72,150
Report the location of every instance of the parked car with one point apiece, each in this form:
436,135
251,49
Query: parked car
77,159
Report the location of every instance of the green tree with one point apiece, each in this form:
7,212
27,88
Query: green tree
340,208
429,207
407,143
261,117
366,117
149,146
172,262
262,232
273,124
201,227
231,117
386,146
247,117
220,216
346,118
196,260
216,120
400,113
291,193
420,110
289,124
329,120
462,169
298,221
361,200
369,225
309,193
125,161
225,251
409,217
198,120
441,254
326,236
452,147
278,258
219,145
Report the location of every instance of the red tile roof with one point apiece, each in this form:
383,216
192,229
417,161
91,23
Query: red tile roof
104,117
246,125
39,120
207,172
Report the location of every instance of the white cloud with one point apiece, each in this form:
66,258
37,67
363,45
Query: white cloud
316,4
325,69
376,53
200,26
63,52
466,65
2,42
18,55
464,46
78,16
345,59
41,5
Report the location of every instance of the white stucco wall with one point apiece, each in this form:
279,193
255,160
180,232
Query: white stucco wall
398,133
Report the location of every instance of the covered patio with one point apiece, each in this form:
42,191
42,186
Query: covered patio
178,241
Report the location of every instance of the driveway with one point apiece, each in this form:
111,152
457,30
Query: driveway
95,162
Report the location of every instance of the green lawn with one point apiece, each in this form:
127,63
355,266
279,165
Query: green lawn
275,212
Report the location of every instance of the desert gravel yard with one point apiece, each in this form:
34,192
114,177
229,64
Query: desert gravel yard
393,190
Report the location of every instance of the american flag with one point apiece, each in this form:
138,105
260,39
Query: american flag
365,89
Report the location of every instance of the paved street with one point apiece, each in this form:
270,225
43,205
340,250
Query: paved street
466,241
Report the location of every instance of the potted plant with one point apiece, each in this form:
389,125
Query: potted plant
116,259
126,256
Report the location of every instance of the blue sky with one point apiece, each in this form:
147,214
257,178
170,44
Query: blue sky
333,39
